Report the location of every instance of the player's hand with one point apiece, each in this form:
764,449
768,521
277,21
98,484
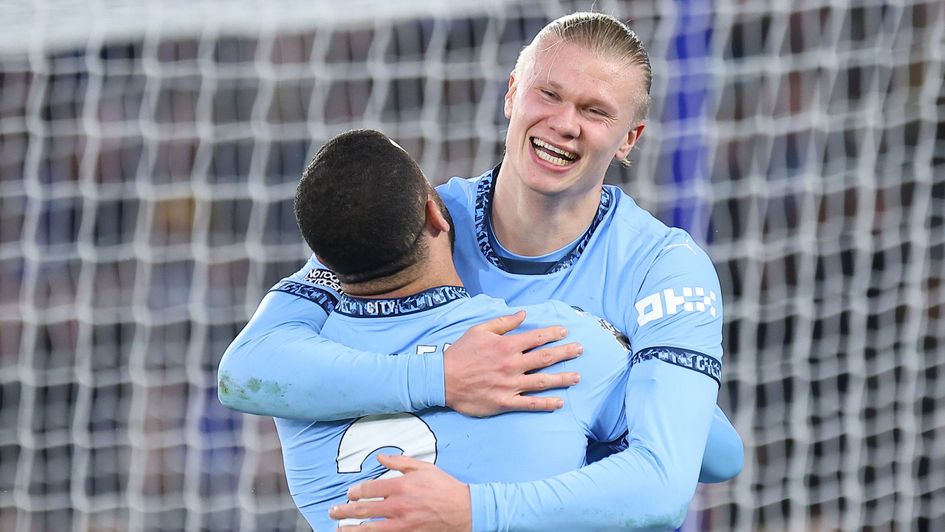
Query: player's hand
486,370
423,499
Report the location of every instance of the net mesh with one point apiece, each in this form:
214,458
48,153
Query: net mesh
149,153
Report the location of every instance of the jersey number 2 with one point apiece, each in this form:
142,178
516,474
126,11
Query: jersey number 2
366,435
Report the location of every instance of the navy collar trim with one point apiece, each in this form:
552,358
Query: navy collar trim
373,308
484,194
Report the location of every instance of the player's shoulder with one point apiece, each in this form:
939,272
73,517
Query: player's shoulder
460,195
313,281
466,312
645,236
582,326
630,218
461,188
551,312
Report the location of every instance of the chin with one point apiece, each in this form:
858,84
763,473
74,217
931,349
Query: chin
547,186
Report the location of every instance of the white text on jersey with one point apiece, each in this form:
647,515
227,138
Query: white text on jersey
667,303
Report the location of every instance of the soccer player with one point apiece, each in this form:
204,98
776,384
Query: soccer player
365,207
541,225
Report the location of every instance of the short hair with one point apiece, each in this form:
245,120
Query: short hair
360,206
601,34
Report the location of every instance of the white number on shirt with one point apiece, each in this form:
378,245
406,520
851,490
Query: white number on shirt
406,432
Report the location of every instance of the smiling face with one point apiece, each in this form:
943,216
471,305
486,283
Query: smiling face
571,112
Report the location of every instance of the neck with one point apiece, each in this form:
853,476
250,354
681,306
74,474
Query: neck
531,224
413,279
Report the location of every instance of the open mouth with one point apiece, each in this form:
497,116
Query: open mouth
552,154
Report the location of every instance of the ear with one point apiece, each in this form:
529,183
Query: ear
509,94
633,136
435,219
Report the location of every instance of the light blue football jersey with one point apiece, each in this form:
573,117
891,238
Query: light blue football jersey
652,282
323,459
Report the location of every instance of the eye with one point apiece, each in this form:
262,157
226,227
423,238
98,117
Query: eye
598,112
548,93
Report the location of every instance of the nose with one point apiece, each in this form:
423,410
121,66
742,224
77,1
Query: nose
565,122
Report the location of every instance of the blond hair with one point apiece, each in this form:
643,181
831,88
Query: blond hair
600,34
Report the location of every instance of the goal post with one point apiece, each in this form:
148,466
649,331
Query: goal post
149,153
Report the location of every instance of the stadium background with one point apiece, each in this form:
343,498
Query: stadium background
149,152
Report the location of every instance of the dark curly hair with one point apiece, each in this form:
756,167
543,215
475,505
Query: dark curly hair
360,206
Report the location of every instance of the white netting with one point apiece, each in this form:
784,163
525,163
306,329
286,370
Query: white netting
149,152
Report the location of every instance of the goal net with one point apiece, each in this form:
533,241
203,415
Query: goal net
149,152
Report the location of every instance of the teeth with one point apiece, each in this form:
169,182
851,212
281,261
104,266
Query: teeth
558,161
566,156
559,151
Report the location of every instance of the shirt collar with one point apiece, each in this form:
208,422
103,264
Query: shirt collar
372,308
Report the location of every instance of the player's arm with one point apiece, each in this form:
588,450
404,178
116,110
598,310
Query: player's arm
724,456
682,285
647,485
724,451
280,366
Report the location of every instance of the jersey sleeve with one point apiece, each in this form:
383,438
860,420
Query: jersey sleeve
280,366
677,316
670,397
647,485
679,303
724,451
